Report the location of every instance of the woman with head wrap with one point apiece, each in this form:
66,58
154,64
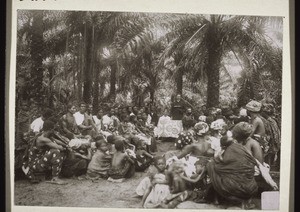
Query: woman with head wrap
217,128
241,133
201,146
233,177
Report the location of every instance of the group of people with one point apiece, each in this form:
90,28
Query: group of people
219,155
80,143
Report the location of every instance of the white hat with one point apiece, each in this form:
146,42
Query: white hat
243,112
218,124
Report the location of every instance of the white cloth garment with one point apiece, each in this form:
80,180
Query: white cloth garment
79,118
37,125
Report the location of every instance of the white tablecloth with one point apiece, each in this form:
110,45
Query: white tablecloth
168,128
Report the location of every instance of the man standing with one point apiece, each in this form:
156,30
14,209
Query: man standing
177,108
258,129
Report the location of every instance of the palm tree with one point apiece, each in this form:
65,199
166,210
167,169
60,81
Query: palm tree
37,56
205,39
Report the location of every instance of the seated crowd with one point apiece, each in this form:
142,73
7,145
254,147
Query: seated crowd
220,154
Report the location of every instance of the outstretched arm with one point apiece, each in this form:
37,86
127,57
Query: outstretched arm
147,154
43,141
257,151
199,177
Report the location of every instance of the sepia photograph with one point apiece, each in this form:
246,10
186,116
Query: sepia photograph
147,110
142,105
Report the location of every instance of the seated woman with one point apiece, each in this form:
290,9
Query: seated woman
197,145
217,128
201,145
148,131
233,177
44,154
241,133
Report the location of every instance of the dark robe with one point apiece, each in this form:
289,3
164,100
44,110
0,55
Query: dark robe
233,178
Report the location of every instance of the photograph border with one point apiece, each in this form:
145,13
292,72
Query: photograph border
230,7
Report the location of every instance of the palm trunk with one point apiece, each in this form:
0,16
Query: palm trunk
81,74
213,67
50,93
96,89
113,72
36,51
87,85
152,94
102,88
179,80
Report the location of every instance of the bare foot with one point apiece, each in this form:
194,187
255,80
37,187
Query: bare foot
163,205
82,177
57,181
116,180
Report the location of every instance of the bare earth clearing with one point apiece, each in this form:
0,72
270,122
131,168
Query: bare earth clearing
100,194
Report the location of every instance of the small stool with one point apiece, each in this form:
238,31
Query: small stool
270,200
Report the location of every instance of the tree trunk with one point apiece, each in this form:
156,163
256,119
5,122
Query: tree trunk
80,70
152,94
113,67
50,93
213,67
96,89
179,80
37,54
87,85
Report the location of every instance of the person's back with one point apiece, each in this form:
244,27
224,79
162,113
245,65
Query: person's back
254,147
118,160
122,165
259,126
201,148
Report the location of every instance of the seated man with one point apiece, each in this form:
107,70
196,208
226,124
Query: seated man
84,123
98,120
45,154
37,125
69,127
107,120
188,119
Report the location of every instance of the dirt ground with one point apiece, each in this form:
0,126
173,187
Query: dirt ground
100,194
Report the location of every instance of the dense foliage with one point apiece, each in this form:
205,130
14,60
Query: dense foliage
125,58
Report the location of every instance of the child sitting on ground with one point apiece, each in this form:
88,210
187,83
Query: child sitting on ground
122,165
154,188
178,185
100,163
143,158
